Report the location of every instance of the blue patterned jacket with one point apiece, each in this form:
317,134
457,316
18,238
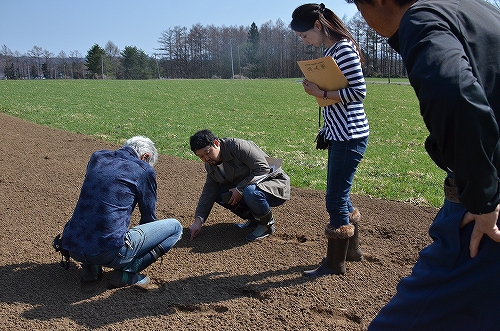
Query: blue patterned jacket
115,182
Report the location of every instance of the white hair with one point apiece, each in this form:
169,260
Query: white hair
142,145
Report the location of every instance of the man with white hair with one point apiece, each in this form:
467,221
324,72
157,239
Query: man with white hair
98,233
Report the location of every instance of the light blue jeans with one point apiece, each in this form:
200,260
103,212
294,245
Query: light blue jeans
139,241
343,160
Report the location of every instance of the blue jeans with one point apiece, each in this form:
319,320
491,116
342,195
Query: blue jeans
254,200
343,160
139,241
260,202
447,289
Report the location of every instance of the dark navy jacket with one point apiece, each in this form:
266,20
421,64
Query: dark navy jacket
450,50
115,182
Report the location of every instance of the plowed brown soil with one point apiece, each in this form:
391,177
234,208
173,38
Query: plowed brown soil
216,282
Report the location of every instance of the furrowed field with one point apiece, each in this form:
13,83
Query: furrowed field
276,114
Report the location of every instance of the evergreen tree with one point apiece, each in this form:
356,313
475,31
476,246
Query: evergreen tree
94,61
136,64
9,71
251,68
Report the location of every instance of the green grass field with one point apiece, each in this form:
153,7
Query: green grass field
276,114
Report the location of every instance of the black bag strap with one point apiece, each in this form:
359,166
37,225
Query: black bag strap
57,245
319,117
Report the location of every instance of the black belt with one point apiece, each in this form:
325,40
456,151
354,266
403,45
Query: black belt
451,190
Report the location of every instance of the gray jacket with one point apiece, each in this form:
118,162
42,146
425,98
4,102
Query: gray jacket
243,161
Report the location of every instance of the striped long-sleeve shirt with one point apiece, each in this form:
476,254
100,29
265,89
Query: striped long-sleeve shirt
347,120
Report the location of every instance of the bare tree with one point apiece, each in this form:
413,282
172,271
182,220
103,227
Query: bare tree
62,64
77,65
197,49
112,63
48,67
36,65
173,42
21,64
8,65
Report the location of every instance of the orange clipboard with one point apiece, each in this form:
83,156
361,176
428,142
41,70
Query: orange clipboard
325,73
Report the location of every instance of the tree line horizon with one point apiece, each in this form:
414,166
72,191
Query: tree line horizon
269,51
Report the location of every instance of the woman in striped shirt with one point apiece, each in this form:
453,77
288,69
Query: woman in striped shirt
346,128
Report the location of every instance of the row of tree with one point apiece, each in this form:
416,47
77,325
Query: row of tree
271,51
110,62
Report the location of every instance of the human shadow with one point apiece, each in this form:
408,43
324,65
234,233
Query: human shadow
54,293
216,237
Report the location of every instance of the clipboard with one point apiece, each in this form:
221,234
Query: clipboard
325,73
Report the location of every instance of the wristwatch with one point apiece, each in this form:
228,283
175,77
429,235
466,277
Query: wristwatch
325,95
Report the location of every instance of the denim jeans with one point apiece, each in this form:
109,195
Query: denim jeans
260,202
343,160
139,241
255,200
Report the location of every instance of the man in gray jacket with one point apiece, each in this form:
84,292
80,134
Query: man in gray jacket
241,178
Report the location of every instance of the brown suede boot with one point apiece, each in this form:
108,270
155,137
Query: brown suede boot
354,253
334,262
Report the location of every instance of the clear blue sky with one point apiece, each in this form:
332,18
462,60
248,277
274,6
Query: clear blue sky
69,25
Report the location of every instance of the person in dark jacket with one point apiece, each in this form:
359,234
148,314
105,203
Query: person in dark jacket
449,48
98,232
242,178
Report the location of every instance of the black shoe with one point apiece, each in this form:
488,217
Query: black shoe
250,223
91,273
262,231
